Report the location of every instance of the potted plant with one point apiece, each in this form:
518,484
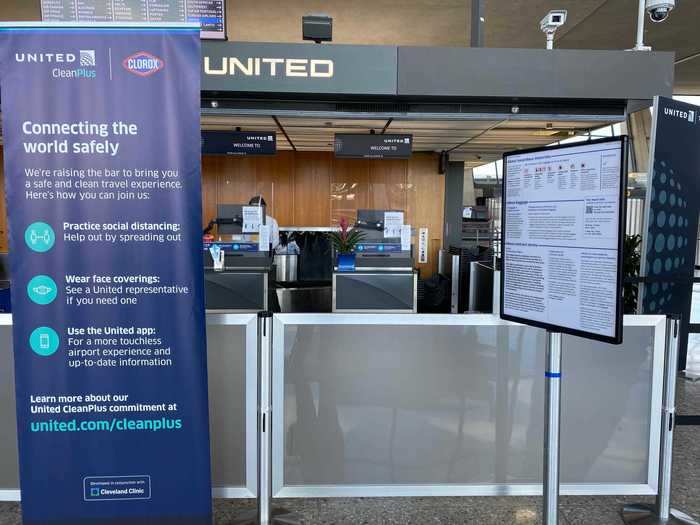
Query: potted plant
344,243
630,267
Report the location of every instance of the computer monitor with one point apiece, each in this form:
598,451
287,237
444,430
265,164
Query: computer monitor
229,218
371,222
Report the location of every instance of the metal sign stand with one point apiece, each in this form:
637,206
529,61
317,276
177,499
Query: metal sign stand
552,423
661,513
266,514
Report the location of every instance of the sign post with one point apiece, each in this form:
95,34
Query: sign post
552,425
563,226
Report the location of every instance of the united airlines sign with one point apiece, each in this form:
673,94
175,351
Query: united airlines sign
289,67
298,68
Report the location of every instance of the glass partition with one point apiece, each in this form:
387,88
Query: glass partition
453,405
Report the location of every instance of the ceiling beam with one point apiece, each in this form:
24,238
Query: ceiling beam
279,125
477,136
388,123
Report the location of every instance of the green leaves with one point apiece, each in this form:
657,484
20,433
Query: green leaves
345,241
631,258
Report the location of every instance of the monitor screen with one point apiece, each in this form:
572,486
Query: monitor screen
231,218
374,224
210,14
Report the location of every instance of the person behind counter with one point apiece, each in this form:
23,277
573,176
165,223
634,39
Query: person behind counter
270,220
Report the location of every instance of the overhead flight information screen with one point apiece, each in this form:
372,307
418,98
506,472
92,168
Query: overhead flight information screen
563,224
210,14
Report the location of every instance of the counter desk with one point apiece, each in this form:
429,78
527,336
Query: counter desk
414,405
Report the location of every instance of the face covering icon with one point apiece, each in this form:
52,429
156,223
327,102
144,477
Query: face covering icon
42,289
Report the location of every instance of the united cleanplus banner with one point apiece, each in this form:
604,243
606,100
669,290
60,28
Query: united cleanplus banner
671,214
102,162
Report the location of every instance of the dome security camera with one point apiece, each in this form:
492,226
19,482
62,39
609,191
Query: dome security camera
659,9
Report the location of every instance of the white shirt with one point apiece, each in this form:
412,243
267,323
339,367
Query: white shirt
274,232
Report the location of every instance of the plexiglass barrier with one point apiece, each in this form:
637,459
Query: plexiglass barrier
232,352
416,405
412,405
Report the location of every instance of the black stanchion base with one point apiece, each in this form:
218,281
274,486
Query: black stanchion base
639,514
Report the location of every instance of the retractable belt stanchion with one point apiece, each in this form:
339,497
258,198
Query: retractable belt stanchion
266,514
264,418
552,416
662,513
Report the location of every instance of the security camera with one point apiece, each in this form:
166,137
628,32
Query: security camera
550,23
659,9
553,20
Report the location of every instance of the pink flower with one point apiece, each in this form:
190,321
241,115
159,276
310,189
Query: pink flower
344,227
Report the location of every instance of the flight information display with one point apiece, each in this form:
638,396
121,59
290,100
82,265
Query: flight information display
563,224
210,14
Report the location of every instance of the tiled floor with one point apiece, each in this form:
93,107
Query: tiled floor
481,511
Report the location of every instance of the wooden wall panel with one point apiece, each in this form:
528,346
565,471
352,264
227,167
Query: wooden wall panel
349,188
426,198
236,179
312,189
387,184
274,180
210,190
316,189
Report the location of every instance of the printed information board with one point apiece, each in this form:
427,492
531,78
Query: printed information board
563,227
102,165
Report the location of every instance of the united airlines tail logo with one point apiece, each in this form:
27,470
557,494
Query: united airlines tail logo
87,58
143,64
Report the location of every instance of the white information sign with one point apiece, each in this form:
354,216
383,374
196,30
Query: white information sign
252,219
562,238
264,238
406,233
423,245
393,221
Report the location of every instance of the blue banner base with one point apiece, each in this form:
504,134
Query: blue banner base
135,520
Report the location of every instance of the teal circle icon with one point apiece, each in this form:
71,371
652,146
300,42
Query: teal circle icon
44,341
40,237
42,289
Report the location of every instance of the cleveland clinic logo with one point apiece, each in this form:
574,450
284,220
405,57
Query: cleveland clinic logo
143,64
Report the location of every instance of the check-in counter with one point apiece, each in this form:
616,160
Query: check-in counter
381,280
242,282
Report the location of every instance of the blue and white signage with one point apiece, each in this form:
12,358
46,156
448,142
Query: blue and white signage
102,163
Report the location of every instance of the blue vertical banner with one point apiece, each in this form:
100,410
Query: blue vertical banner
102,162
671,214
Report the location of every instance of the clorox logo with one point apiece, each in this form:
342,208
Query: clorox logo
143,64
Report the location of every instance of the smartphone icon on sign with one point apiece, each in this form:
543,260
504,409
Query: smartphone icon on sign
44,341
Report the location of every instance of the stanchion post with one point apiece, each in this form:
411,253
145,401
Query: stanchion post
662,513
552,418
264,418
